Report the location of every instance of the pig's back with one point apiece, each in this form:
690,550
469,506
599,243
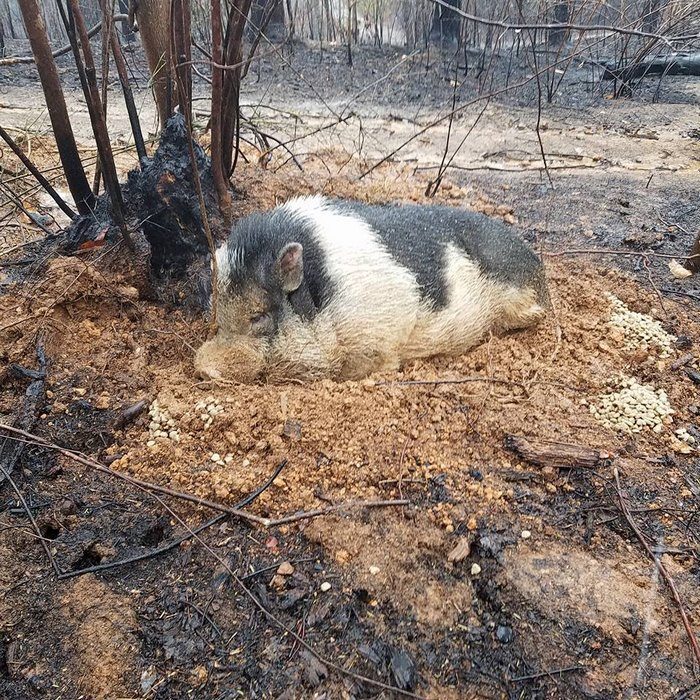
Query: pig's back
420,237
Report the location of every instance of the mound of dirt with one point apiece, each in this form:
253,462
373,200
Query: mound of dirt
499,577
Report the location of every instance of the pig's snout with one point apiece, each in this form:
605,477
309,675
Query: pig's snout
230,360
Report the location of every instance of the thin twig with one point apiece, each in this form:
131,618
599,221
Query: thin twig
175,543
28,511
65,208
662,569
14,60
305,515
645,262
288,630
532,676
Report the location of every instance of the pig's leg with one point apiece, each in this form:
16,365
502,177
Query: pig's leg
304,351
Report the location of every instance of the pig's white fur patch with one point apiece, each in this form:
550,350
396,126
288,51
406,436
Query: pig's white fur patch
376,318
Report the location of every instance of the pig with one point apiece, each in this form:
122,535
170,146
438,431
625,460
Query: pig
324,288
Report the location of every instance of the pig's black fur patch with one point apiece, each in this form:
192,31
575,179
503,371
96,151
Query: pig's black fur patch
416,236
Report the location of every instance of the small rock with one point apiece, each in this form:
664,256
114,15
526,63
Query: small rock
526,534
285,569
374,570
278,582
215,457
475,570
504,634
325,586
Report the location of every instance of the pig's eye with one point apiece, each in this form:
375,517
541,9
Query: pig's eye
260,323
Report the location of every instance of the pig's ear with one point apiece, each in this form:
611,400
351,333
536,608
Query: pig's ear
290,266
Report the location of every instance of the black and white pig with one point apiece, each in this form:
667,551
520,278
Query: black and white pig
328,288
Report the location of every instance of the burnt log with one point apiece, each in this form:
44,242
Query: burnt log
164,219
558,455
672,64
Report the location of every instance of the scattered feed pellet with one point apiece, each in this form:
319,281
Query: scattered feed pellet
161,425
633,408
639,329
208,409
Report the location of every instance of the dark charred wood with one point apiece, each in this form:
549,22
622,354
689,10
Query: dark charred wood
27,414
220,179
163,215
99,124
673,64
693,261
37,174
548,453
56,104
131,108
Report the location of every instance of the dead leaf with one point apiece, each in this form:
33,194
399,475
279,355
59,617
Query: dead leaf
461,550
678,271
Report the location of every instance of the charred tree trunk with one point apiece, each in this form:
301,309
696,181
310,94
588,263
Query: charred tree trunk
99,124
56,104
349,32
446,22
233,57
152,18
675,64
120,64
162,206
217,163
693,261
181,43
556,37
267,15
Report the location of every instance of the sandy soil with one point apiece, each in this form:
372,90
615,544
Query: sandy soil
499,579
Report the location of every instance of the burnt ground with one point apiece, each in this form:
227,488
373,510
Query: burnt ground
500,579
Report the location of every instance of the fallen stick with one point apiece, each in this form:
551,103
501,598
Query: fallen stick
28,511
155,488
662,569
548,453
178,541
541,674
15,60
288,630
